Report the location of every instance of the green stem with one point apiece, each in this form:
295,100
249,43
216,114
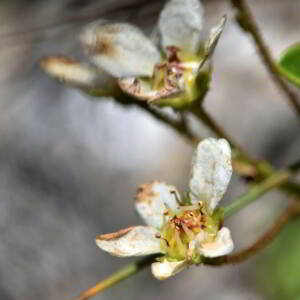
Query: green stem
116,277
275,180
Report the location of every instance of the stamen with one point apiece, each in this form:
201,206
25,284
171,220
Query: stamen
176,197
188,232
158,236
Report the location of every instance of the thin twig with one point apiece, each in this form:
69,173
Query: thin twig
275,180
246,20
116,277
263,241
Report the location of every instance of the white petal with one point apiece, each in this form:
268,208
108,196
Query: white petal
180,24
74,73
132,241
152,200
222,245
165,269
120,49
211,171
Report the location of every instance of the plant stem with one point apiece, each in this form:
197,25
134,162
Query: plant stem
116,277
263,241
256,191
246,20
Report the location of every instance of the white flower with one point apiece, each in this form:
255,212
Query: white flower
125,61
182,230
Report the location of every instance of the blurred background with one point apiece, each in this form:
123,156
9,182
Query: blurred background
69,166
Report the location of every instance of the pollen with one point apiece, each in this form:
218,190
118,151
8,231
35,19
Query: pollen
181,228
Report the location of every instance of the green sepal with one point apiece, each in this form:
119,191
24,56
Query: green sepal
168,258
194,93
197,258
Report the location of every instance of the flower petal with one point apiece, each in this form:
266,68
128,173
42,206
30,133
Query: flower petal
180,24
214,36
152,199
222,245
132,241
77,74
212,41
165,269
120,49
211,171
142,90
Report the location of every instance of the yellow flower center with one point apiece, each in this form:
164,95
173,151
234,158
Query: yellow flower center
178,75
181,228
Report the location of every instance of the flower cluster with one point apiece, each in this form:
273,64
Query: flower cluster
183,230
126,62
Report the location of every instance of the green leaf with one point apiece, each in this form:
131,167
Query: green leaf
289,64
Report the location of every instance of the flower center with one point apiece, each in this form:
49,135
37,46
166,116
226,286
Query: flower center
176,71
181,228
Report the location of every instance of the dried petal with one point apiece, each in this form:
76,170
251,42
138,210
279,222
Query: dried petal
222,244
153,199
142,90
212,41
120,49
211,171
180,24
165,269
132,241
74,73
214,36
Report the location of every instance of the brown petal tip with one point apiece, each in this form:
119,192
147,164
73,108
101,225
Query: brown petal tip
114,235
46,61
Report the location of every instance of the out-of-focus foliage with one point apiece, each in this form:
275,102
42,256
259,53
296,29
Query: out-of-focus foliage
289,64
279,267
